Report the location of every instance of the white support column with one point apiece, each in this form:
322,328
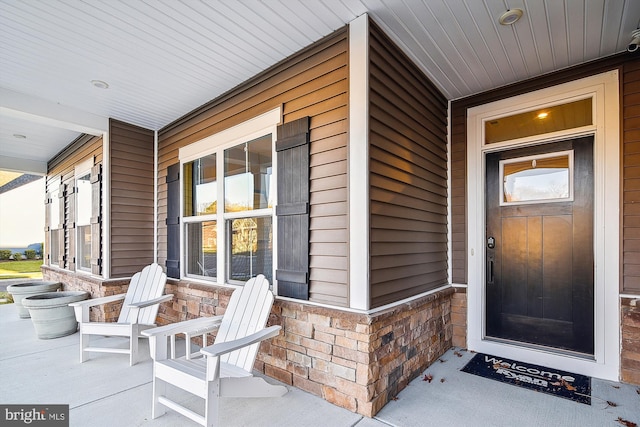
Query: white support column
358,156
449,215
155,196
106,207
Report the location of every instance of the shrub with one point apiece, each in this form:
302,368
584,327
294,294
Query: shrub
17,256
30,253
6,296
5,254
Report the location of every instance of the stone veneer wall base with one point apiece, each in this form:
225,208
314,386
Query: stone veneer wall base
356,361
96,286
630,355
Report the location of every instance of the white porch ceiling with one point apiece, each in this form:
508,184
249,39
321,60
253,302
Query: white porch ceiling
163,58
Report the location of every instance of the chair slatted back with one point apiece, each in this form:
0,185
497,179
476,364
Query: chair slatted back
145,285
247,312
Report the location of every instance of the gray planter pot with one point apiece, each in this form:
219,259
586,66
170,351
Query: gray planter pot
22,290
51,315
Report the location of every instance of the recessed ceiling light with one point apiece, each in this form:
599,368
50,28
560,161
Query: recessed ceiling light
542,115
511,16
19,136
100,84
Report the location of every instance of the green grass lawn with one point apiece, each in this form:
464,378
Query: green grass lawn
28,269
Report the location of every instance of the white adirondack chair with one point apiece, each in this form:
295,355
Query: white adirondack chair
138,312
223,369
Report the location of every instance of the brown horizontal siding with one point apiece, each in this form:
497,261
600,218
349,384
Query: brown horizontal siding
458,152
407,177
631,177
131,204
328,187
262,93
458,141
311,83
81,149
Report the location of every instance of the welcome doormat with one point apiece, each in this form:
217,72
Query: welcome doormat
568,385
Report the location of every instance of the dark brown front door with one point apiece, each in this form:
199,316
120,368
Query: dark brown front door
539,245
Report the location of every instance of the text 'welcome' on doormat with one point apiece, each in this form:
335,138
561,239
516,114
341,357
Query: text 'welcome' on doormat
568,385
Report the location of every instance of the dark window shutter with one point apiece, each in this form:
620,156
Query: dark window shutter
96,219
47,213
292,211
47,228
71,226
173,221
61,207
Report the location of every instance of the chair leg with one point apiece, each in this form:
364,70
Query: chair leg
133,351
84,343
212,403
133,344
159,389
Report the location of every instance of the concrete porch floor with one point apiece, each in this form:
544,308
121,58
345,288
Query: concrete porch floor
106,391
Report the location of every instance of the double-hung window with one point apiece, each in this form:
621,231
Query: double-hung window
228,199
83,193
83,222
54,223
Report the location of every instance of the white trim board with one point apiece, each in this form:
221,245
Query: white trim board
358,157
603,88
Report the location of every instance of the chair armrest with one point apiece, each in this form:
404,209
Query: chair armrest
193,326
229,346
158,336
97,301
143,304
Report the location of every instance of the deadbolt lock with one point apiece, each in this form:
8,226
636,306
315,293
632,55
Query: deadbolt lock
491,243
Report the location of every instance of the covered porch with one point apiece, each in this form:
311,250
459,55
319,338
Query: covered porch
106,391
378,260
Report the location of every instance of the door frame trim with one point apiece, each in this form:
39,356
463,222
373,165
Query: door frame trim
604,90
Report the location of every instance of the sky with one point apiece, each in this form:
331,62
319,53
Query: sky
22,215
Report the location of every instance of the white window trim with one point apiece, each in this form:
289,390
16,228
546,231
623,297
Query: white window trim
256,127
605,92
245,131
81,169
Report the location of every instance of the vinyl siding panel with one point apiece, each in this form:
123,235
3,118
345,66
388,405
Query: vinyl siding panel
458,197
81,149
311,83
631,177
631,106
131,159
407,177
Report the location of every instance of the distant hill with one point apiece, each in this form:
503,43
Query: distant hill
35,246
